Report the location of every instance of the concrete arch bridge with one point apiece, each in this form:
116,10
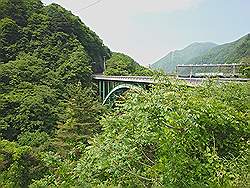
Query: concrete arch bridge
109,87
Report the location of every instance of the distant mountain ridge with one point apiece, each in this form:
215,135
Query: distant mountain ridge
233,52
207,53
173,58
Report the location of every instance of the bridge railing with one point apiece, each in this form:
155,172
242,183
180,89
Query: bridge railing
141,79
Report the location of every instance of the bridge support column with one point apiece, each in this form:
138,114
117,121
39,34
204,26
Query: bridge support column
103,90
111,85
108,86
100,88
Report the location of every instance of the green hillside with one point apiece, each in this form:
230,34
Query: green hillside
49,32
169,62
48,107
122,65
234,52
46,55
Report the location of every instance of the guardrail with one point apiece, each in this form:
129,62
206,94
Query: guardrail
140,79
206,70
148,79
199,80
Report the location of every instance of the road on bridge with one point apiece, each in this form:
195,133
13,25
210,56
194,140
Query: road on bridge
150,80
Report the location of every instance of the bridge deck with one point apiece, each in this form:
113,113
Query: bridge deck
219,79
149,80
135,79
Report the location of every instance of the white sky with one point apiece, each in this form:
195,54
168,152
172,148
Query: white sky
148,29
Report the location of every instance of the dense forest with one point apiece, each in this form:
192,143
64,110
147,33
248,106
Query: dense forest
54,132
48,104
51,33
122,65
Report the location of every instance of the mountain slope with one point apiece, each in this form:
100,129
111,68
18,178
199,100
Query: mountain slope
122,65
51,32
46,58
234,52
169,62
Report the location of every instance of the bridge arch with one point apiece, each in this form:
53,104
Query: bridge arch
119,90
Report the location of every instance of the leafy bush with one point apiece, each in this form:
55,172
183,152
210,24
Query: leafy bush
173,136
19,165
35,139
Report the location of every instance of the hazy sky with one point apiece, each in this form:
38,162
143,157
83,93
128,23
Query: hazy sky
148,29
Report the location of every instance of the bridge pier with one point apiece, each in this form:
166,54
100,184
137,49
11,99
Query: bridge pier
104,87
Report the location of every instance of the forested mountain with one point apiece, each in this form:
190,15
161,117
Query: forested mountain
122,65
174,58
47,98
234,52
45,51
50,32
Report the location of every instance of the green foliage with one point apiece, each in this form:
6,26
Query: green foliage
122,65
35,140
19,10
173,136
82,113
45,49
47,103
9,31
26,103
9,34
245,70
28,69
61,175
61,20
18,165
76,69
27,108
14,9
51,32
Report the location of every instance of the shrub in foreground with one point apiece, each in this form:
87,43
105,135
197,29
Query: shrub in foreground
173,136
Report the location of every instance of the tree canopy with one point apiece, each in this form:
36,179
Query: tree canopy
122,65
47,102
